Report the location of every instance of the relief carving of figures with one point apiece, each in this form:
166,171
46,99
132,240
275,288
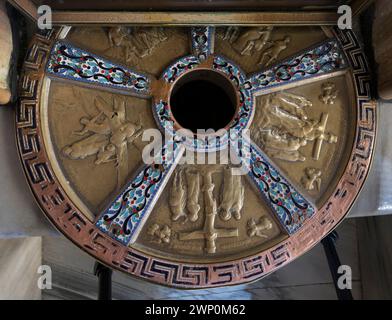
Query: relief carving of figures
161,234
117,35
257,229
184,195
106,136
312,179
252,40
185,191
136,41
232,195
193,182
283,127
273,52
231,34
209,233
256,40
177,196
329,93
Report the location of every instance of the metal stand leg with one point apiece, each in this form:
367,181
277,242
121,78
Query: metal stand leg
104,275
334,263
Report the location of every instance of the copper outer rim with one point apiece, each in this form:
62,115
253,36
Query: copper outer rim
66,217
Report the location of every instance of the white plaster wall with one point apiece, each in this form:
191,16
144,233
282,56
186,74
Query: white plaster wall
19,262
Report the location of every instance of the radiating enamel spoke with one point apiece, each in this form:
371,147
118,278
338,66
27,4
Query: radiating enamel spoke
69,62
202,39
290,207
127,214
318,61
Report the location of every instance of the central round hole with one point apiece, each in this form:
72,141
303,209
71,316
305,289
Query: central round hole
203,99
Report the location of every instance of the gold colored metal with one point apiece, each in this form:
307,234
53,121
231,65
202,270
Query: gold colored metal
195,18
233,195
184,198
207,209
106,135
311,180
259,229
273,52
209,232
329,93
160,234
249,41
81,145
140,42
283,127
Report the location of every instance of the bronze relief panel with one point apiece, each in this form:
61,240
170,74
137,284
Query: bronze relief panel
299,91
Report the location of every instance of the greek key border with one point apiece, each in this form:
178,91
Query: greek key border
74,225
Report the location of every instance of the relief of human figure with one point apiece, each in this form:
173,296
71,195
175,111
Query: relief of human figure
231,34
137,41
293,104
177,196
272,53
312,179
86,147
283,147
264,39
285,111
193,184
282,127
210,205
106,154
258,228
106,135
117,35
232,198
252,39
146,39
329,93
239,196
92,125
161,234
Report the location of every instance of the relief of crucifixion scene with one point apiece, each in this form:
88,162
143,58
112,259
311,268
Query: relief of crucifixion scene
288,86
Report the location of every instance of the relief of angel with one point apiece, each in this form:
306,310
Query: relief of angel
106,136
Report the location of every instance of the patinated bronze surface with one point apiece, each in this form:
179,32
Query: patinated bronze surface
89,94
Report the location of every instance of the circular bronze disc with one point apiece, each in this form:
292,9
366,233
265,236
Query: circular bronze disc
89,97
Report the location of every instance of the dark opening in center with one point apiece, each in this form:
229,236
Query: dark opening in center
203,100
